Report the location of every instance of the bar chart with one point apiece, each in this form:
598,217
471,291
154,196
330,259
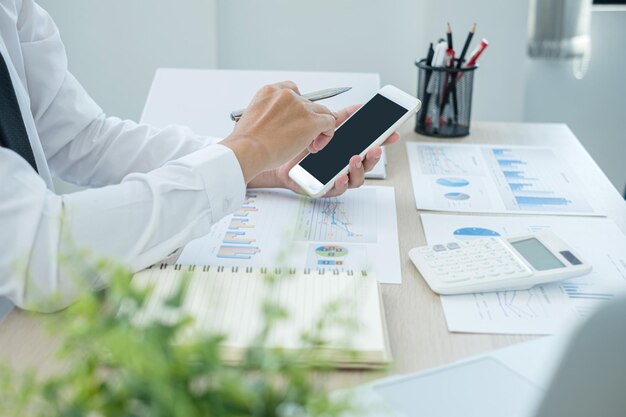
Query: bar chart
495,179
238,242
525,186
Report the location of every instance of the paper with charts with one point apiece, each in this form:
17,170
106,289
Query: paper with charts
543,309
355,232
494,179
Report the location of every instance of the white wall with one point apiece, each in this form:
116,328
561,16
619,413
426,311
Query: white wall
594,107
325,35
377,36
114,46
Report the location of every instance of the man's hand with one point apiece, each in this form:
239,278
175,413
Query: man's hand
279,177
275,128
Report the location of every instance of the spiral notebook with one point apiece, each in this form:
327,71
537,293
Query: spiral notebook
228,300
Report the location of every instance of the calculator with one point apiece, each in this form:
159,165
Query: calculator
496,264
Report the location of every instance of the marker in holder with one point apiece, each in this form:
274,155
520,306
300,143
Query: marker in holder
446,95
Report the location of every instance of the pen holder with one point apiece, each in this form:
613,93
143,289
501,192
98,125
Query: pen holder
446,95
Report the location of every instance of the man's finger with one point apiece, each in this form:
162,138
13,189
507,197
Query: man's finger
357,173
287,84
341,186
372,158
319,143
343,114
393,138
325,124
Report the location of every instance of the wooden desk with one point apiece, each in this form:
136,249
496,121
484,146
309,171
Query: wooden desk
417,330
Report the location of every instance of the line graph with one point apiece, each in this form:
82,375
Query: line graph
349,219
438,160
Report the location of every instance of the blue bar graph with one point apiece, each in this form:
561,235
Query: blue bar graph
513,174
581,291
518,186
510,162
534,179
500,151
541,201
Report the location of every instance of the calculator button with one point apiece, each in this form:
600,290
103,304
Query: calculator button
425,249
453,246
439,248
492,272
478,275
454,278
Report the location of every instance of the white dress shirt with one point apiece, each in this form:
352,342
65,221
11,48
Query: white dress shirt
153,189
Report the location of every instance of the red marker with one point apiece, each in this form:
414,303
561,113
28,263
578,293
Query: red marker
476,53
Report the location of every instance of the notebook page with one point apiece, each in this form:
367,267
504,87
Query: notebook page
229,301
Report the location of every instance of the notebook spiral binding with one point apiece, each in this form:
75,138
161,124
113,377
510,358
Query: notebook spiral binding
263,270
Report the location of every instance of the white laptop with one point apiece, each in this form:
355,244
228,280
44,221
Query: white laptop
578,375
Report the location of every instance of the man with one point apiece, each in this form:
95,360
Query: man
153,189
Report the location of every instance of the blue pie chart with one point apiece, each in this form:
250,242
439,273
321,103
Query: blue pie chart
457,196
453,182
475,231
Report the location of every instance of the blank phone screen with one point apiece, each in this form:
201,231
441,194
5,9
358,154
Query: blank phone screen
353,137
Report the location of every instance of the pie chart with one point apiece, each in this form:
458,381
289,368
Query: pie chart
457,196
453,182
331,251
475,231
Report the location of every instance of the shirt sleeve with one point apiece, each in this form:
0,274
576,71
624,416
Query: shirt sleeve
136,222
83,145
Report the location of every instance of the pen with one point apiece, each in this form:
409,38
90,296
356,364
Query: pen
476,53
454,80
429,73
436,79
314,96
445,88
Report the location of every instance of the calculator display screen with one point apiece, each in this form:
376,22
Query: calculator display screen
537,254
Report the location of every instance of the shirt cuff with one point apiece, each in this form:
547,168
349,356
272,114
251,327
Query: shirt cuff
223,179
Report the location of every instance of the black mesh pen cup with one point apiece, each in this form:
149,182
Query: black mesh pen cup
446,95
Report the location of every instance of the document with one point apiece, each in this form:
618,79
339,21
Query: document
357,231
543,309
495,179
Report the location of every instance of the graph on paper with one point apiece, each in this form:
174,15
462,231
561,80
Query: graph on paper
542,309
239,241
494,179
532,179
356,231
522,304
337,220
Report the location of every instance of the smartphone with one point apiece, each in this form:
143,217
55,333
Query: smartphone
368,127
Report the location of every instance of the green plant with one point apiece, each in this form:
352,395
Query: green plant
117,368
